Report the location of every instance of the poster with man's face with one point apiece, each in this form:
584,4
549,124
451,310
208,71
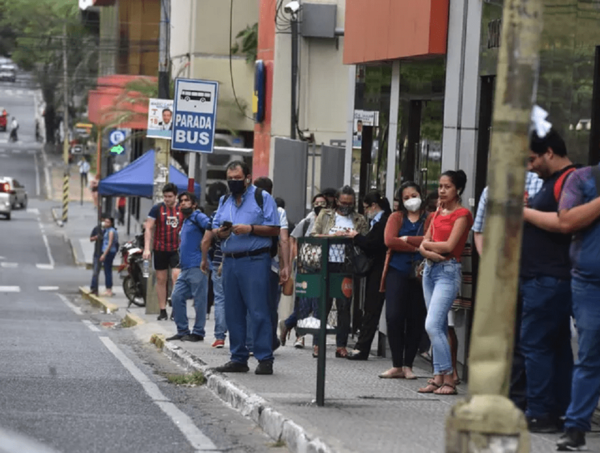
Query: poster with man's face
363,118
160,118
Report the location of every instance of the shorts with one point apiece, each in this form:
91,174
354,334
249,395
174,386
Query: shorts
165,260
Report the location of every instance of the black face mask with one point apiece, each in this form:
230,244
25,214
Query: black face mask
345,210
236,186
187,211
317,210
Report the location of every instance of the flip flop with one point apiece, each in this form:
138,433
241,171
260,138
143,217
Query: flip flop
454,392
431,388
391,376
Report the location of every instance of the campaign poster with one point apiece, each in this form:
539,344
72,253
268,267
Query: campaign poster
160,118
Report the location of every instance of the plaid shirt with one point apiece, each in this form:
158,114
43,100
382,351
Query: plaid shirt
533,184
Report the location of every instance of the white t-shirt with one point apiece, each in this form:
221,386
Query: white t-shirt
283,225
299,230
336,252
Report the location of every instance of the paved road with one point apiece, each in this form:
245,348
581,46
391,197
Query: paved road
72,379
18,100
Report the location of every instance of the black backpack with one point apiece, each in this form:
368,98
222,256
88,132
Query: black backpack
258,196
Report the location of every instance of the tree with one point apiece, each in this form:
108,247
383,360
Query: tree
37,28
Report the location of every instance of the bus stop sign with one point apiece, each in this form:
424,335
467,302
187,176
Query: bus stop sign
195,115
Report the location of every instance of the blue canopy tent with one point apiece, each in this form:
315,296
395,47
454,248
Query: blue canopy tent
137,179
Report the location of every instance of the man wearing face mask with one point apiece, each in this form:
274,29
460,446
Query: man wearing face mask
245,221
192,282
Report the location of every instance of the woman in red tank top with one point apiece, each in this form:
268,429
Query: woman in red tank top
442,247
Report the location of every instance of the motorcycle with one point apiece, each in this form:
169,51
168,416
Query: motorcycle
131,271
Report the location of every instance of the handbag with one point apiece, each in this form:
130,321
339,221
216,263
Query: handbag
361,263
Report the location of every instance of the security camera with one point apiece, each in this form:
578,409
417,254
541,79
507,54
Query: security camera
292,7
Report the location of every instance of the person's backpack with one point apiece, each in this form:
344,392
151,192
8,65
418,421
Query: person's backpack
560,183
116,239
258,196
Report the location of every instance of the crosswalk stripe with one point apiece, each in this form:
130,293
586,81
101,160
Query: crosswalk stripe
10,289
9,265
48,288
44,266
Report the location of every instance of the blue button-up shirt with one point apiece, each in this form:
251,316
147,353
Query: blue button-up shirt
192,232
376,219
247,213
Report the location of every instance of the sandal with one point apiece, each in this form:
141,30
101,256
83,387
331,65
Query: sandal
341,353
387,375
410,376
315,351
452,392
431,388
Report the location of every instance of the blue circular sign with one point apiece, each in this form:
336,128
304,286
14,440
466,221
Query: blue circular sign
116,136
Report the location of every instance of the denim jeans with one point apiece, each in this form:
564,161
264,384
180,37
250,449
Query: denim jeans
108,264
191,282
220,324
586,382
546,345
441,282
246,285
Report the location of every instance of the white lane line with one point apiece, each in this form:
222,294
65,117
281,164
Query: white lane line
37,176
33,211
10,289
48,288
75,308
195,437
47,267
9,265
45,238
91,326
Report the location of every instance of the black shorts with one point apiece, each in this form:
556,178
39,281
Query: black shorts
165,260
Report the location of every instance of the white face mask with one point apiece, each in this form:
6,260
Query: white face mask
412,204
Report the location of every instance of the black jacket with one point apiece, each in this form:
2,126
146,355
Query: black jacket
373,243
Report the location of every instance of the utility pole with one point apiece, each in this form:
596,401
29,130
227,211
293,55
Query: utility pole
66,175
294,26
488,420
162,153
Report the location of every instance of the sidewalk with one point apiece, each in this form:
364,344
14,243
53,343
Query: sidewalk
362,413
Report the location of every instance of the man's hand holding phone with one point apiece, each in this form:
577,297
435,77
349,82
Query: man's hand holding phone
225,230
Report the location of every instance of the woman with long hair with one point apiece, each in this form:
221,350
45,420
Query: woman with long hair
405,308
377,211
442,247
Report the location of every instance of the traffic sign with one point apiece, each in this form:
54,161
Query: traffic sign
195,115
116,136
117,149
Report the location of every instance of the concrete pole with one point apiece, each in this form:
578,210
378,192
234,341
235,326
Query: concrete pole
390,175
349,126
67,172
488,420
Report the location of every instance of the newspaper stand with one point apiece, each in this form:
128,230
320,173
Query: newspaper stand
314,279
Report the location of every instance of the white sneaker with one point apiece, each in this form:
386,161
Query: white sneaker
299,344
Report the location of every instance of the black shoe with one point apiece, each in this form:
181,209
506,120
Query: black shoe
264,368
193,337
572,440
233,367
177,336
162,316
360,356
542,425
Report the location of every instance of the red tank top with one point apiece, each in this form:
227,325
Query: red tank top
442,227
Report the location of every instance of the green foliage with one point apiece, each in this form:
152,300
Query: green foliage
249,43
189,380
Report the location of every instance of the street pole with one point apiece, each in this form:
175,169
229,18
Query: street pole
162,152
294,25
488,420
66,175
98,244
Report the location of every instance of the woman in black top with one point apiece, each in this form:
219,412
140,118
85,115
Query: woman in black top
377,210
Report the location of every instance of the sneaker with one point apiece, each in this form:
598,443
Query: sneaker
177,336
162,316
219,344
233,367
193,337
542,425
264,368
572,440
299,344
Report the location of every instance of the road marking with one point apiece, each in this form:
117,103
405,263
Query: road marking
195,437
91,326
46,267
45,238
37,176
10,265
48,288
10,289
33,211
75,308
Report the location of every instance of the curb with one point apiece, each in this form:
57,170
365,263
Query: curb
97,301
131,320
75,260
272,422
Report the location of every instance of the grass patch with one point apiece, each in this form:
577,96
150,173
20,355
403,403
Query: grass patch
189,380
279,444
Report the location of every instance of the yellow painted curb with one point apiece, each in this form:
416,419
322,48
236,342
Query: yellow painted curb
97,301
158,340
131,320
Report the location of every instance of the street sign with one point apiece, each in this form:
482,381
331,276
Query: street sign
117,149
195,115
116,136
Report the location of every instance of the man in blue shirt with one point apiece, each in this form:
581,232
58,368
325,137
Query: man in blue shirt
192,282
579,210
246,228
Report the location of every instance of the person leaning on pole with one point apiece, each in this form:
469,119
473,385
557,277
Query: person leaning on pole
166,218
246,220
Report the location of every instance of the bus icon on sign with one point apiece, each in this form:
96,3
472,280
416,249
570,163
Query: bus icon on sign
191,95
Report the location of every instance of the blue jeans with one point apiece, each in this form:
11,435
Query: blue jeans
191,282
546,345
220,324
275,296
246,284
441,282
107,265
586,385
